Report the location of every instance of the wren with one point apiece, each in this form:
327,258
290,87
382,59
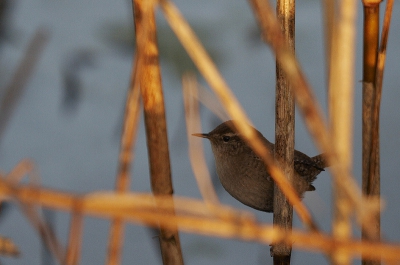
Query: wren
244,175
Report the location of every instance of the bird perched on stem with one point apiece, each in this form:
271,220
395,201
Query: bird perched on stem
244,175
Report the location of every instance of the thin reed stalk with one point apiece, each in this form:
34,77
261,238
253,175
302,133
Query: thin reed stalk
154,114
75,237
284,132
210,102
21,76
131,120
196,152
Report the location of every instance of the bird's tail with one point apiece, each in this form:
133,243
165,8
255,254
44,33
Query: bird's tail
320,161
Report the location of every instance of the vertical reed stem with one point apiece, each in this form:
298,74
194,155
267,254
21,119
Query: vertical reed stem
341,90
284,132
372,88
154,114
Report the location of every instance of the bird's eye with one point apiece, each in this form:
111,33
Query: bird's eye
226,138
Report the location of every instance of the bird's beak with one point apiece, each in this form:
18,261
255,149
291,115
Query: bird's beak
202,135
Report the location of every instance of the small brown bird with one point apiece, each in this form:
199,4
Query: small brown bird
243,174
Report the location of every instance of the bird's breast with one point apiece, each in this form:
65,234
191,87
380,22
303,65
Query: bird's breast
246,180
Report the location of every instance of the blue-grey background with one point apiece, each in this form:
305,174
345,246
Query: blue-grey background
72,131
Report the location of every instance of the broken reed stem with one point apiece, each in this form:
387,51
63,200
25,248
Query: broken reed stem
192,216
371,42
27,168
377,99
373,184
208,69
284,133
22,169
382,47
196,152
8,248
155,123
126,156
21,76
341,94
372,187
370,51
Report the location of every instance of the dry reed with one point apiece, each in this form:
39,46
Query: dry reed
21,76
341,90
209,217
284,132
191,216
196,152
132,111
154,117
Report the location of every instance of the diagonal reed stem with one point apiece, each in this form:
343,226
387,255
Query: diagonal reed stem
75,237
131,120
21,76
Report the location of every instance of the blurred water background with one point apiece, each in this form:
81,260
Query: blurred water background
69,116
